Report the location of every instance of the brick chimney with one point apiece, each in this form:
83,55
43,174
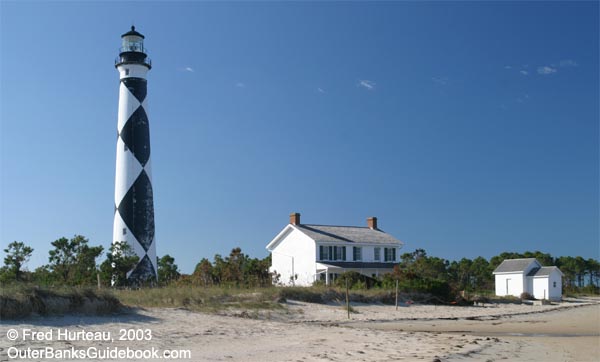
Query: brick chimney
372,222
295,218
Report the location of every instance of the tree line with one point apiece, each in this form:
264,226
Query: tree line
579,274
76,263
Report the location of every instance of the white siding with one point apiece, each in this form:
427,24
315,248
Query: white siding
295,255
369,253
540,287
530,285
544,287
135,70
555,290
509,284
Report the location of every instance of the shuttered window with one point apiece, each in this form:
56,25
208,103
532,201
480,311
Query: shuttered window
390,254
356,253
332,252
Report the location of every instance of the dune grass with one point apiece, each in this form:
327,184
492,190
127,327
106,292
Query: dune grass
201,299
22,300
18,301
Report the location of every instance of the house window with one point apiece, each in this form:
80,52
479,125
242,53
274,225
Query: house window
356,253
323,252
332,252
126,71
339,252
124,231
554,284
390,254
377,254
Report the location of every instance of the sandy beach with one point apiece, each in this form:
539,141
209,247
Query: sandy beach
569,331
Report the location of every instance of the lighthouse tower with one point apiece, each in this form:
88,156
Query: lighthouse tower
134,206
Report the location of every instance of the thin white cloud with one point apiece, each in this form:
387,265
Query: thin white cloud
545,70
507,67
186,69
568,63
240,85
320,90
367,84
440,80
524,72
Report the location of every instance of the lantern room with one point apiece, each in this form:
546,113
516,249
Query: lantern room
132,50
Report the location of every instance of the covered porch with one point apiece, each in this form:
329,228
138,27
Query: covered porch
330,271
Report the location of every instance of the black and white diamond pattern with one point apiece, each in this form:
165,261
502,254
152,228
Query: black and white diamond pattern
134,205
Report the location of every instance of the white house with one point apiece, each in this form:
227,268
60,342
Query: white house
304,253
517,276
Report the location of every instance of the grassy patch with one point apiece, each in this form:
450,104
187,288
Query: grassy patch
216,299
20,301
213,299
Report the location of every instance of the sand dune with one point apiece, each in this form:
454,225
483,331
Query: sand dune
569,331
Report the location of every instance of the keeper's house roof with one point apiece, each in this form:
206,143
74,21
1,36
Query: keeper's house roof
515,265
346,234
332,234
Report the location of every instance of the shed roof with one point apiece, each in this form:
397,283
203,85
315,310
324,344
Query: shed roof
543,271
514,265
346,234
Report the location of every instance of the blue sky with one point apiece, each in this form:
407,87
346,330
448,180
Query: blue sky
467,128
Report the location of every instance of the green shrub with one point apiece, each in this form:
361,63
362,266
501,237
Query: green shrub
302,294
355,280
439,290
527,296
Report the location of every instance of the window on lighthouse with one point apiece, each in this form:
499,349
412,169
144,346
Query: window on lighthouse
133,43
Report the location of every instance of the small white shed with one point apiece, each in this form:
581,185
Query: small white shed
546,283
517,276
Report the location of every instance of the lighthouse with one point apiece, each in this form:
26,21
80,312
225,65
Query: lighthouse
134,205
